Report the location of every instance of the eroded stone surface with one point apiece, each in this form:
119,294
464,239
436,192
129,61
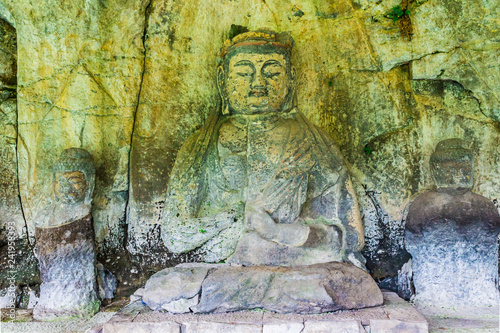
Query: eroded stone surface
78,86
394,312
355,88
452,235
69,285
173,284
106,282
8,55
142,327
12,220
396,326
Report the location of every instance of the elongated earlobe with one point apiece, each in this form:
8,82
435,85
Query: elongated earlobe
220,86
291,94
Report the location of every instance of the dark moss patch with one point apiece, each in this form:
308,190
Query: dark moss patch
237,30
22,269
386,262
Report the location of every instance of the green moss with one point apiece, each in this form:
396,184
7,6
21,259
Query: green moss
236,30
86,313
397,12
367,150
16,320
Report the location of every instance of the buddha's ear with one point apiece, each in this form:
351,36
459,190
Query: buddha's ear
220,78
220,85
291,94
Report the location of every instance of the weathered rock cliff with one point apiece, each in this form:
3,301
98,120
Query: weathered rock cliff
130,80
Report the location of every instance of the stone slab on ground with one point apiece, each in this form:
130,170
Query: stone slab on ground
80,326
455,319
395,315
125,327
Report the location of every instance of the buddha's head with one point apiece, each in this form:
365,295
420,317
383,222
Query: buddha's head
255,75
74,176
452,165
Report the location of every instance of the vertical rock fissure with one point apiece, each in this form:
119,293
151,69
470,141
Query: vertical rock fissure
144,38
23,215
18,179
378,209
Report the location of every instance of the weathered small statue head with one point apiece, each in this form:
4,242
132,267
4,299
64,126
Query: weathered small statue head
74,177
452,165
255,75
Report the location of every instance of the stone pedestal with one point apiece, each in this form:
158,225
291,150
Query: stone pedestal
66,260
204,288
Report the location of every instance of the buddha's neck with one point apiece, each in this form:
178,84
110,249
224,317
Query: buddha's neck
260,120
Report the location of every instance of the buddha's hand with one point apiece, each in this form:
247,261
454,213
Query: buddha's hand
257,219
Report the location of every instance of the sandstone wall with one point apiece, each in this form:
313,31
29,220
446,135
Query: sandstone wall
80,70
10,205
385,100
130,80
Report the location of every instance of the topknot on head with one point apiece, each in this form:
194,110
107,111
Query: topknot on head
75,159
281,41
452,150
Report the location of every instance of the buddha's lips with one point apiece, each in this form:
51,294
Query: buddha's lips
258,93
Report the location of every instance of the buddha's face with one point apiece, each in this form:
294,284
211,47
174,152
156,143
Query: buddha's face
70,186
453,174
257,83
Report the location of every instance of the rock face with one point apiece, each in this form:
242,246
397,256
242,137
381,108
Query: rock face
223,288
452,235
455,257
10,208
259,185
12,224
385,116
78,86
118,79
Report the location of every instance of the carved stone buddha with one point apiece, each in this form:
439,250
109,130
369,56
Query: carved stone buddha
65,242
259,185
452,235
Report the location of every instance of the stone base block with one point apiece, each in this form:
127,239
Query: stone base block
141,328
395,315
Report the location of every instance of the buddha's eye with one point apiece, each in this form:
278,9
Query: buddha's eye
245,73
270,74
244,69
272,70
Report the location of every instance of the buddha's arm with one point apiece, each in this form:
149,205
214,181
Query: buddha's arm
313,234
259,220
350,216
337,207
182,234
326,217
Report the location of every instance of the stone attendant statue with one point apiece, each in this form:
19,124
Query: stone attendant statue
452,234
65,242
259,185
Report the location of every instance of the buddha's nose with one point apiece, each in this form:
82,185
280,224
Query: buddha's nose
258,81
